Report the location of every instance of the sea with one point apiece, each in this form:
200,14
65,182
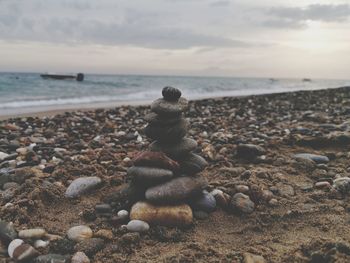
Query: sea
28,92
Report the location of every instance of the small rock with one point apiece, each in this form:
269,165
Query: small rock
7,232
205,202
166,215
3,156
41,243
240,188
123,214
323,185
183,147
155,159
90,246
33,233
273,202
20,251
313,157
80,257
242,203
137,226
104,234
149,175
249,151
82,185
13,245
222,199
79,233
342,184
250,258
169,108
285,190
171,94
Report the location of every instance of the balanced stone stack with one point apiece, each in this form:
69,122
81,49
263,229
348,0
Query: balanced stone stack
168,172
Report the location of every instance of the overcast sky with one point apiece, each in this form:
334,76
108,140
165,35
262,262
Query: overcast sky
241,38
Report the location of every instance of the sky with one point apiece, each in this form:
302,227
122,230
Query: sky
239,38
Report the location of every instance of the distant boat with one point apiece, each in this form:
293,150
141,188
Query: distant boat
307,80
78,77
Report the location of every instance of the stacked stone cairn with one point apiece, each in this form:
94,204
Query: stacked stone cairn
168,172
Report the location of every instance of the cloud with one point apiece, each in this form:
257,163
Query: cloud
296,17
221,3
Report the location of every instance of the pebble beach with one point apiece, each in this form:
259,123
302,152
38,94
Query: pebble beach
277,173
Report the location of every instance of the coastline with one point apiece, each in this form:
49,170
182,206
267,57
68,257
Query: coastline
60,109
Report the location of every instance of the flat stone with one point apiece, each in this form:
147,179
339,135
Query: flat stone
171,94
166,215
204,202
149,175
82,185
167,133
7,232
79,233
177,150
313,157
33,233
242,203
249,151
136,225
192,164
176,190
155,159
169,108
52,258
24,252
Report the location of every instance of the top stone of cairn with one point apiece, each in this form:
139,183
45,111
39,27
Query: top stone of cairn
171,94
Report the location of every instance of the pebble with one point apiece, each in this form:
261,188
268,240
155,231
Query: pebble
165,215
7,232
205,202
222,199
240,188
171,94
192,164
169,108
155,159
176,189
52,258
183,147
13,245
137,226
79,233
82,185
123,214
249,151
20,251
342,184
33,233
323,185
167,133
90,246
285,190
273,202
243,203
149,175
105,234
41,243
80,257
313,157
251,258
3,156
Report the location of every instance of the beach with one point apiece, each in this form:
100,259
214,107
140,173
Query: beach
300,214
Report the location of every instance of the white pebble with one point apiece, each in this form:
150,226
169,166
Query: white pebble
41,243
123,214
137,226
80,257
32,233
79,233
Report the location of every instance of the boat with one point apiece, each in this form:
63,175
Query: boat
77,77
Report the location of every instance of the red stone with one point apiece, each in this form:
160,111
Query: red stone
155,159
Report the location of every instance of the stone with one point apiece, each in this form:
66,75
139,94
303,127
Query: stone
104,234
33,233
79,233
193,164
342,184
149,175
136,225
155,159
90,246
24,252
242,203
251,258
3,156
123,214
176,190
52,258
205,202
177,150
249,151
7,232
154,118
41,243
164,215
13,245
169,108
285,190
171,94
167,133
323,185
222,199
82,185
313,157
80,257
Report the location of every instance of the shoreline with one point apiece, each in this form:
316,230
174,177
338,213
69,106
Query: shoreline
59,109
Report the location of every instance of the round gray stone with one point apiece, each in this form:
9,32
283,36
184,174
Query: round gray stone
164,107
176,150
149,175
167,133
